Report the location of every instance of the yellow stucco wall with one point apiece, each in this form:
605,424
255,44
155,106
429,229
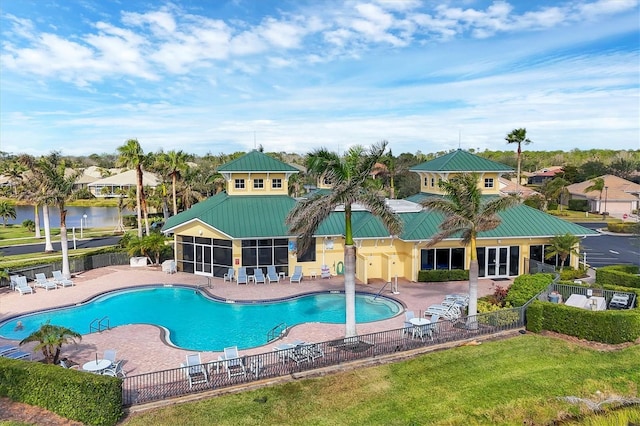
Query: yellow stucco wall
429,182
251,178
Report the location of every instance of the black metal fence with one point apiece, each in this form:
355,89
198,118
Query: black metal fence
289,360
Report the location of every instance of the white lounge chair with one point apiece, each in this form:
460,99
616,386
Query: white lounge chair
296,277
42,281
13,280
60,280
230,275
233,363
5,349
22,286
258,276
115,370
272,274
325,272
110,354
195,371
242,276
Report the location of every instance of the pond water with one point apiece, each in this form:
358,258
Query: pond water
97,217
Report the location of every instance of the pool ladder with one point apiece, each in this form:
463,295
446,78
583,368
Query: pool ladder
98,324
276,332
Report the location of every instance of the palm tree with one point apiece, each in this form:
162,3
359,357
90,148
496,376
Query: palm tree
597,184
50,339
349,177
132,156
58,186
518,136
562,246
7,211
177,164
466,213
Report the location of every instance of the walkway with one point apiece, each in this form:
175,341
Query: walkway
144,351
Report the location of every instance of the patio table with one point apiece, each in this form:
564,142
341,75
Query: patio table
96,366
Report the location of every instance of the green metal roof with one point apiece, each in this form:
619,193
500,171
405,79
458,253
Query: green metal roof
256,161
461,161
259,216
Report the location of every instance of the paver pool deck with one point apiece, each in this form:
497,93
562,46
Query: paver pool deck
141,346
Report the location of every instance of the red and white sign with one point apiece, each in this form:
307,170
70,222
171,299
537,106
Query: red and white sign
624,216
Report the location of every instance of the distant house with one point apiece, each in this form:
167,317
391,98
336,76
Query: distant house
618,198
108,187
509,187
539,177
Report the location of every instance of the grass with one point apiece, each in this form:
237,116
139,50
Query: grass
575,216
510,382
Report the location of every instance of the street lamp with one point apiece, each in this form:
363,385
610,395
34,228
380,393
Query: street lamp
84,216
606,193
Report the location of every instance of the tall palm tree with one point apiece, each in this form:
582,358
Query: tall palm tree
518,136
466,213
7,211
597,184
31,192
50,339
349,177
177,164
562,246
132,156
59,189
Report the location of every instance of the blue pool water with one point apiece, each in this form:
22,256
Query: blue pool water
196,322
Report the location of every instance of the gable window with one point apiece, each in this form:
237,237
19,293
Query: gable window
426,181
239,183
258,183
276,183
488,183
433,182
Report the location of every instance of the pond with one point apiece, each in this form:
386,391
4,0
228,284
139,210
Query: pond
97,217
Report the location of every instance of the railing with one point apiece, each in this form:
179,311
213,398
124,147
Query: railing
276,332
174,382
97,324
378,294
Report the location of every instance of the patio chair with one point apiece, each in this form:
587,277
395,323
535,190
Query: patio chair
110,354
298,353
408,315
258,276
296,277
450,312
272,274
233,363
325,272
242,276
22,286
115,370
60,280
230,275
194,370
313,351
42,281
13,280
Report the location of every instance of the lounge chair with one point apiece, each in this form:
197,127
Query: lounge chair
42,281
60,280
272,274
5,349
13,280
115,370
17,355
242,276
22,286
233,363
258,276
230,275
195,371
296,277
325,272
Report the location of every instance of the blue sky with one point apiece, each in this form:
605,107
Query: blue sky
83,76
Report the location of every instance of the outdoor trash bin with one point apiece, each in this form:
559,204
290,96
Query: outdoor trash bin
554,297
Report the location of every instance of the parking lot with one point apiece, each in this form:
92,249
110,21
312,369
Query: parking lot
608,249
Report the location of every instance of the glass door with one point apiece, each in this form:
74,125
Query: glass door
497,261
203,260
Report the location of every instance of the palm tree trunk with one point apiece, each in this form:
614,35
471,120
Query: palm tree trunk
173,189
36,219
64,242
48,247
472,322
350,290
518,172
139,203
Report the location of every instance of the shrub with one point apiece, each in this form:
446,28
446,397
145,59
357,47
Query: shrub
29,224
535,317
525,287
622,275
579,205
570,274
499,296
441,275
88,398
621,228
495,315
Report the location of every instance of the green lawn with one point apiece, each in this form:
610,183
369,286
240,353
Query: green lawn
509,382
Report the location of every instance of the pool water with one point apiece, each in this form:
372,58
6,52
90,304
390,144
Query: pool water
196,322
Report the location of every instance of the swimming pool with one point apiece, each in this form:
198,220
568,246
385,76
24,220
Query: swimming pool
196,322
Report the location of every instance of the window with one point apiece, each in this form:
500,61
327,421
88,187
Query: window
239,184
433,182
266,252
446,258
426,181
276,183
488,183
258,183
310,254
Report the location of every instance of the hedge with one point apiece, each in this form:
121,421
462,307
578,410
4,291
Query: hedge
613,327
621,228
579,205
441,275
88,398
620,275
525,287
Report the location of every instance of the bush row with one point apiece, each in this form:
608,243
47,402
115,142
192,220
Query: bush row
611,327
620,275
621,228
525,287
441,275
88,398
